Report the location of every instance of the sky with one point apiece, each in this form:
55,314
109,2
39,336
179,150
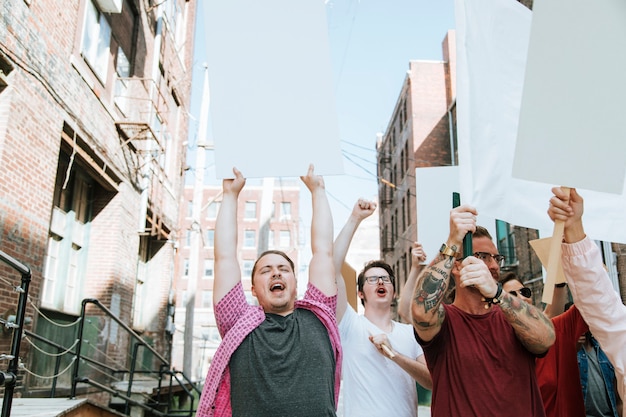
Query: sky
371,44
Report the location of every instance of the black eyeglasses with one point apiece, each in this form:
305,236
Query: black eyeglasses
487,257
525,291
374,279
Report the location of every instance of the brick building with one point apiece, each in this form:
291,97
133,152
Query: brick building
422,133
275,204
94,98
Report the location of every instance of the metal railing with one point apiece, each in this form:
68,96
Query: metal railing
144,378
139,350
9,378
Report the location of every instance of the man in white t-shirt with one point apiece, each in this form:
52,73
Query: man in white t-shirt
382,359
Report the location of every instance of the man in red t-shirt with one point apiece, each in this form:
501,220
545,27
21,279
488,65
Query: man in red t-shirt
480,349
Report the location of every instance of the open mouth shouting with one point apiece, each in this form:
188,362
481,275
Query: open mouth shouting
277,286
381,291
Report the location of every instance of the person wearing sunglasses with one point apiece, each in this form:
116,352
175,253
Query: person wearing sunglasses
382,360
481,349
513,286
589,282
557,371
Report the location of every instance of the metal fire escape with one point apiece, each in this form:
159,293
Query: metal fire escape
143,132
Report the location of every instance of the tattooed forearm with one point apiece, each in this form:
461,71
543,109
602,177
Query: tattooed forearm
533,328
441,272
430,289
441,313
427,309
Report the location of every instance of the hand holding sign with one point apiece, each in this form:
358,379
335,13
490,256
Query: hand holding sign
559,113
554,259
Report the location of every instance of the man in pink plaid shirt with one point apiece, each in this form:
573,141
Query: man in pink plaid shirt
283,357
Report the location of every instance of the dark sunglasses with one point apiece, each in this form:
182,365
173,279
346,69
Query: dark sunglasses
525,291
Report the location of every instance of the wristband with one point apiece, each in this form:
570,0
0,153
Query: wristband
496,298
447,250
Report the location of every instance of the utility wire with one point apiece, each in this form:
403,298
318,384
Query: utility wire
357,156
358,146
360,166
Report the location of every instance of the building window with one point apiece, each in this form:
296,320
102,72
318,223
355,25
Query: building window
250,210
505,236
176,25
249,238
408,209
210,238
285,239
270,240
405,159
189,209
209,266
394,225
186,268
68,239
188,237
285,209
247,268
404,211
96,41
207,299
122,81
212,210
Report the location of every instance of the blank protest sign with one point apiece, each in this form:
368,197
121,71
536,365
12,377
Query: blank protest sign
433,193
272,107
572,115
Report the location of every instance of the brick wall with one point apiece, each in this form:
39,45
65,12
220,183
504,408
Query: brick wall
52,90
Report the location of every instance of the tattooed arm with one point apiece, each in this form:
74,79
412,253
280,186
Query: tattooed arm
426,308
533,328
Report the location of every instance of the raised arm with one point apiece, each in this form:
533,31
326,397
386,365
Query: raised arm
361,210
594,295
227,271
559,299
418,257
321,268
427,309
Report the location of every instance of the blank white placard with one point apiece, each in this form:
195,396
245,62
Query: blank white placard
272,107
572,115
434,188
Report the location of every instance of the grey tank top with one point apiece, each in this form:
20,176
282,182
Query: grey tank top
285,367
